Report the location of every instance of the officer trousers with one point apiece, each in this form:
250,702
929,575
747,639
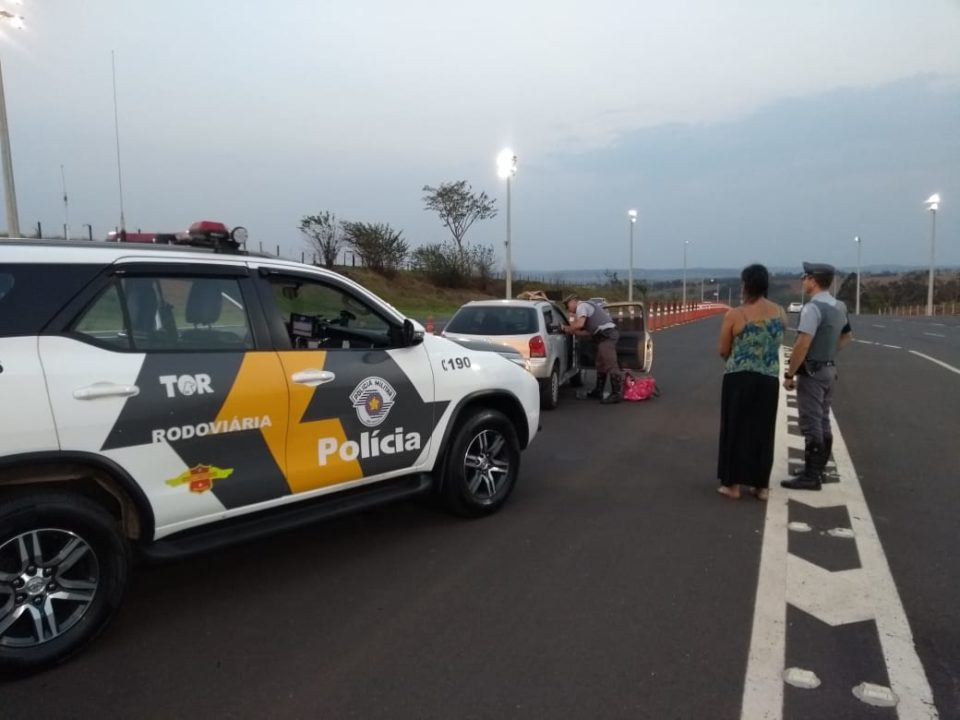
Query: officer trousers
814,396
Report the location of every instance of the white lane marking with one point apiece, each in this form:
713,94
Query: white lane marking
934,360
893,347
937,324
879,326
935,334
865,342
833,597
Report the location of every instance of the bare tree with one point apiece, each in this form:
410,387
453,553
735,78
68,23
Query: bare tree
324,234
458,207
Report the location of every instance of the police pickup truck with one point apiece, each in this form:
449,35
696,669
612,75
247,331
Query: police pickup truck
161,401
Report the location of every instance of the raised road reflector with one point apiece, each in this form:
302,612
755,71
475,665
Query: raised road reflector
800,678
877,695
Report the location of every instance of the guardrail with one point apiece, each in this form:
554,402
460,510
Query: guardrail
665,316
950,308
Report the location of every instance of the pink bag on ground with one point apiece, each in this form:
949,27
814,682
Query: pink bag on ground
639,388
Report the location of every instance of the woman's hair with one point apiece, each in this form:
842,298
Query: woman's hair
756,281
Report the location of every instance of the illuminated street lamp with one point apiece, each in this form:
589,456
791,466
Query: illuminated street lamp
632,214
857,241
933,204
506,169
10,191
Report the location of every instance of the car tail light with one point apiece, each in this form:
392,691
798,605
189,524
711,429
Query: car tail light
538,348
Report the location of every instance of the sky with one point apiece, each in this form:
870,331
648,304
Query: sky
744,132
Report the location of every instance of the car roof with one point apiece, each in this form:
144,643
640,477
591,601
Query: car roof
508,303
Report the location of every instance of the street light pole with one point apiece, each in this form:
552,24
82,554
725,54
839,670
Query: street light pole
857,241
685,243
507,168
633,221
933,203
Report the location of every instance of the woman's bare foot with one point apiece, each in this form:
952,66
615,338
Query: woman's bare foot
732,492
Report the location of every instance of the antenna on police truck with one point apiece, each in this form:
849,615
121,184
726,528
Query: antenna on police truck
66,207
116,126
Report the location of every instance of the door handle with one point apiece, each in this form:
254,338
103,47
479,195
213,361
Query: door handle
312,377
105,389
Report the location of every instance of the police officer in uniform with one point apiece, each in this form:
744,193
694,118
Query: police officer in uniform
591,319
823,330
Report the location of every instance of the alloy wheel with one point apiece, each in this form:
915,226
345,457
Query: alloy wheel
48,580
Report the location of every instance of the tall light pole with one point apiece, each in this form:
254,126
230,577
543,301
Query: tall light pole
685,243
857,241
10,190
506,169
632,214
933,204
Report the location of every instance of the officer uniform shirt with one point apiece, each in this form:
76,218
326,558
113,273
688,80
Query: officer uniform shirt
586,310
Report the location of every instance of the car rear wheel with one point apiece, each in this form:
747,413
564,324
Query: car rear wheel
550,390
63,571
482,465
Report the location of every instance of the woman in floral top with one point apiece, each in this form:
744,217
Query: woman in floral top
750,340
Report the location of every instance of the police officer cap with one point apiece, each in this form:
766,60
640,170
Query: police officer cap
571,296
810,268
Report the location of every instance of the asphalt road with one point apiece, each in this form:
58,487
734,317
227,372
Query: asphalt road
616,583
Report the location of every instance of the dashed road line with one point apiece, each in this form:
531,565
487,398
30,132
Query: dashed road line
934,360
866,593
939,335
893,347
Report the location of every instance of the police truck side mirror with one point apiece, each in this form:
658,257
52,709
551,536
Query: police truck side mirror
410,335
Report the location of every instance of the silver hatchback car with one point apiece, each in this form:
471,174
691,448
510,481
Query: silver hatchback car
534,328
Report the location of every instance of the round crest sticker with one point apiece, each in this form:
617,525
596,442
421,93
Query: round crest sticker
373,397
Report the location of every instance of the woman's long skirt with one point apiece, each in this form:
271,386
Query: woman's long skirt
748,424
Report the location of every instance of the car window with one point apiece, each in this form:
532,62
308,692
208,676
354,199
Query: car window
169,314
104,321
493,320
322,315
6,283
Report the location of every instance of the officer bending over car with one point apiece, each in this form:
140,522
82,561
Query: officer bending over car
592,320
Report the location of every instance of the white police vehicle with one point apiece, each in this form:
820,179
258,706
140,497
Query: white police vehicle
162,401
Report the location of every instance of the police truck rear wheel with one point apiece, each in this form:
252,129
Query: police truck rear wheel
63,570
482,465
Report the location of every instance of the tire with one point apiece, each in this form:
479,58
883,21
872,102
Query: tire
550,390
577,380
62,557
481,467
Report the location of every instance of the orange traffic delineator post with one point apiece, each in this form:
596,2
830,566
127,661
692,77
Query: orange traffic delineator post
430,324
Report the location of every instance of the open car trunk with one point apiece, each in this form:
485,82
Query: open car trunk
634,348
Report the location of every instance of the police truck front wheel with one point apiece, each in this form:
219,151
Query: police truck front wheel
63,570
481,466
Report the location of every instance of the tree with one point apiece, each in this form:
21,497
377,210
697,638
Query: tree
381,248
458,207
324,234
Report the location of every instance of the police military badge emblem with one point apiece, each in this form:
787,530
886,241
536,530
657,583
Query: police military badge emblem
373,397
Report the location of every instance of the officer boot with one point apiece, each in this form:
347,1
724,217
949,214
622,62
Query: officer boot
812,471
597,392
616,390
